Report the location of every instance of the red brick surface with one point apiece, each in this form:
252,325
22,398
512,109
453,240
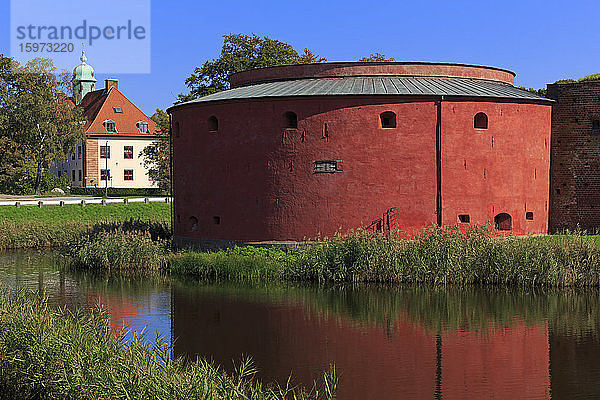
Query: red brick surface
575,159
322,70
257,176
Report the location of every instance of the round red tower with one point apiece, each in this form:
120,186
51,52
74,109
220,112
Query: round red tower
295,152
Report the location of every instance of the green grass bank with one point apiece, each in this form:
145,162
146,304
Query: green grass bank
51,353
55,226
437,256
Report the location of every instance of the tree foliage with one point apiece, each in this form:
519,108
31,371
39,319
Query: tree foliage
540,92
592,77
240,53
157,156
38,121
376,57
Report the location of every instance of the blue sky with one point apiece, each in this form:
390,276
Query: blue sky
541,41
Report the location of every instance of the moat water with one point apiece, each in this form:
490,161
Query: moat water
386,342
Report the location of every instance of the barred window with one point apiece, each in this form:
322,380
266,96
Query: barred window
480,121
327,166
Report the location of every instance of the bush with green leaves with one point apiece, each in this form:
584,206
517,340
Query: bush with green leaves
59,353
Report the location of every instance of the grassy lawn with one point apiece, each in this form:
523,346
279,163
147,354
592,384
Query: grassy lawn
55,226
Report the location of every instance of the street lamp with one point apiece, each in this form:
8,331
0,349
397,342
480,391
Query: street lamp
106,155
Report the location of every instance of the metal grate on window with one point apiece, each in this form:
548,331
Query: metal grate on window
327,166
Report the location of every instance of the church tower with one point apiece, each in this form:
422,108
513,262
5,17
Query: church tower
83,79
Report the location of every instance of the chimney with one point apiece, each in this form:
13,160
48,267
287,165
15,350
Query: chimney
109,83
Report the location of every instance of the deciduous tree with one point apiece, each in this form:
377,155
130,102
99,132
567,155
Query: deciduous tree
376,57
37,114
157,156
239,53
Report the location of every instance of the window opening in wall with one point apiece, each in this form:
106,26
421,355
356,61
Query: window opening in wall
388,119
176,129
72,155
481,121
213,124
78,151
327,166
128,174
110,126
596,127
291,120
128,152
118,110
142,126
557,191
104,151
73,175
217,220
503,222
529,215
193,224
104,174
464,218
79,175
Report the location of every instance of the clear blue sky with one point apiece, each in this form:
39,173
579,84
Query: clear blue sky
541,41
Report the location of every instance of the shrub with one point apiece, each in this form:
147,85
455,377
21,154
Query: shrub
51,353
120,250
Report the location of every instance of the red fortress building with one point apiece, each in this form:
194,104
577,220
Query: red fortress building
293,152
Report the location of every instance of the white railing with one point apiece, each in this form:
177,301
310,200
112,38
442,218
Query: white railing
64,201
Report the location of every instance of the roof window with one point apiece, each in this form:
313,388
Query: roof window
110,126
142,126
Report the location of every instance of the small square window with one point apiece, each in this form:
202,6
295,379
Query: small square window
529,215
118,110
104,174
217,220
128,174
557,191
464,218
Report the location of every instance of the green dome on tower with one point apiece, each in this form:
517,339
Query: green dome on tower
83,79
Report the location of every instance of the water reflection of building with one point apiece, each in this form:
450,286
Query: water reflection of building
409,363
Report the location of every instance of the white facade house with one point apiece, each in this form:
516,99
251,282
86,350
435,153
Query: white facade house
116,133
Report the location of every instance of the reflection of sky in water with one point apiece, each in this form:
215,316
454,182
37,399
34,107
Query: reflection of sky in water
136,305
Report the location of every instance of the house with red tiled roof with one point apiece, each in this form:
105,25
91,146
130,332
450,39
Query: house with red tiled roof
116,133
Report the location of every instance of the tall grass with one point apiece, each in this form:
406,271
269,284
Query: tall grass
120,250
436,256
449,256
56,227
48,353
240,263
